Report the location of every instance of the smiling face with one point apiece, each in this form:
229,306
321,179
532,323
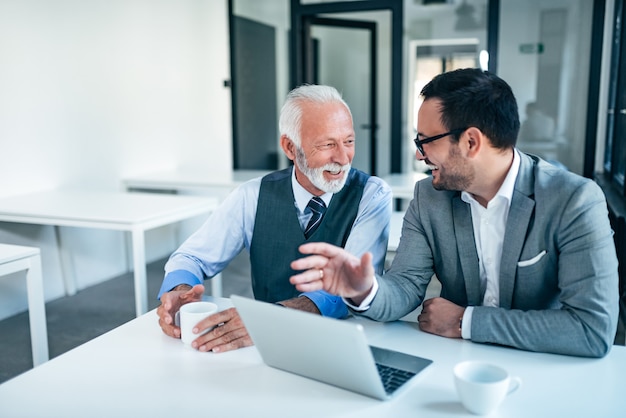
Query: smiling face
445,157
327,136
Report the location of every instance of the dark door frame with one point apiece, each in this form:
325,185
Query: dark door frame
593,101
493,33
310,69
297,61
617,103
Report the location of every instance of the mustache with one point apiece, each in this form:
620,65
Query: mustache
335,167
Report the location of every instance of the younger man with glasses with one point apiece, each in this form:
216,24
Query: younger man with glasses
523,250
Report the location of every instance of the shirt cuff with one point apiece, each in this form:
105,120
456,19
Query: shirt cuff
365,305
176,277
327,304
466,327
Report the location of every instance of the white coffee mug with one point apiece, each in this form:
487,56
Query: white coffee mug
483,386
188,317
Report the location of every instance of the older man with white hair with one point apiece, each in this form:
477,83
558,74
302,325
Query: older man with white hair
319,199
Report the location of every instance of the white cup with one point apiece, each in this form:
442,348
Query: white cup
483,386
188,317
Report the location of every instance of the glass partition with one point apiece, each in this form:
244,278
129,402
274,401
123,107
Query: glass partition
441,36
544,49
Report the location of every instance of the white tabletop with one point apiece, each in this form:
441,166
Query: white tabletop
395,230
131,212
10,253
403,184
188,178
109,210
135,370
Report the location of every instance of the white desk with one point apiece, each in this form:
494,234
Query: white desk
13,259
395,230
135,370
131,212
195,180
188,179
403,185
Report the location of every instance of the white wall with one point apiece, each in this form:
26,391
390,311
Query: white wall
92,91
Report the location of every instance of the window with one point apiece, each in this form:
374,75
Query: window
615,151
541,46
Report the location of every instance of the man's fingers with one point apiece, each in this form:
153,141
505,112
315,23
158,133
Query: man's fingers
232,340
234,345
222,323
167,319
168,329
193,294
164,315
229,336
222,317
311,275
366,259
310,286
312,261
322,248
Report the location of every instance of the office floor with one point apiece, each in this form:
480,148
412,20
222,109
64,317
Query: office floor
93,311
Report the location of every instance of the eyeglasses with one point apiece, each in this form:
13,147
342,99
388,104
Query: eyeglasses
419,143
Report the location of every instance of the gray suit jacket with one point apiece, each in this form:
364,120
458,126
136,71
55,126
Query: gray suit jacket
558,278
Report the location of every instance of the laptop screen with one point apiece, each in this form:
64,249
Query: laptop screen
329,350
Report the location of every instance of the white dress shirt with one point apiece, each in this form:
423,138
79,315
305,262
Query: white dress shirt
229,230
489,225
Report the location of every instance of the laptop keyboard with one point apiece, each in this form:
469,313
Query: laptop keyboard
392,378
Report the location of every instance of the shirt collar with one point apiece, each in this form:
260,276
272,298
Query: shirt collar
302,196
508,185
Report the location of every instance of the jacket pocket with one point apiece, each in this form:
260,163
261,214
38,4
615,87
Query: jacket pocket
534,260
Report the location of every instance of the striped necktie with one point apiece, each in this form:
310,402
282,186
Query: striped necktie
318,207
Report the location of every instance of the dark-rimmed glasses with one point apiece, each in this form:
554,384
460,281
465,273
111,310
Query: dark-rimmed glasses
419,143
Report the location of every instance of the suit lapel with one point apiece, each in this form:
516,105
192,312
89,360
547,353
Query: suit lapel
520,214
466,247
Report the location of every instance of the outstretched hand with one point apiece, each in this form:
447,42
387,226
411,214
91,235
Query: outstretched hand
334,270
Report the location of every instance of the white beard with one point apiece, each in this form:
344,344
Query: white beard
316,175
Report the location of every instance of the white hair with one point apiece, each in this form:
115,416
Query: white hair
290,121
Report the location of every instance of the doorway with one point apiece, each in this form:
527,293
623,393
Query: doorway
325,63
254,102
428,58
388,96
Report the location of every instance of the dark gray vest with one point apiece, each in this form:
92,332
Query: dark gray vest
277,233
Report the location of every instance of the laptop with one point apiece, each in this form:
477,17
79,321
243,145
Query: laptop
327,350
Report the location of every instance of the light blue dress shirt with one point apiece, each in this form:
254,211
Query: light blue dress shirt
229,230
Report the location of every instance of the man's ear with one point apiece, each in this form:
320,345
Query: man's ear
289,148
473,140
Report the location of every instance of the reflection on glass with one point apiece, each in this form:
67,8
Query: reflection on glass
441,36
620,172
429,59
540,47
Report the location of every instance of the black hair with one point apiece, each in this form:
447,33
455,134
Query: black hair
471,97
